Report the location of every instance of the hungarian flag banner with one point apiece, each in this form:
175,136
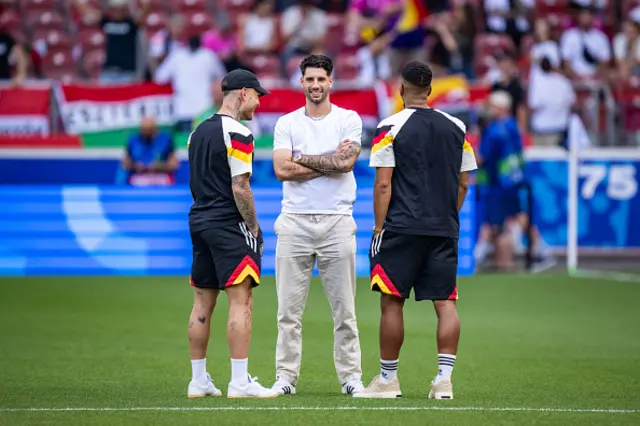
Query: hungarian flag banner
24,111
105,115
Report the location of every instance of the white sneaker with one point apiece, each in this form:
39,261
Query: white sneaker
441,390
352,387
199,390
380,389
283,387
249,389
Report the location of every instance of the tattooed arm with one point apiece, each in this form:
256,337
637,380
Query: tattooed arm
339,162
244,201
286,169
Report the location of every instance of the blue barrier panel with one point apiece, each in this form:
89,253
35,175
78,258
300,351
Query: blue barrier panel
117,230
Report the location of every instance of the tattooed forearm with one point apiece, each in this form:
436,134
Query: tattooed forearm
341,162
244,201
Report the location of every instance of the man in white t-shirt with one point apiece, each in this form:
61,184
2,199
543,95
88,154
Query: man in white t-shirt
315,149
192,71
585,49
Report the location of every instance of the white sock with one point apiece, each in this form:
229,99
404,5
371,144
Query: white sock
199,370
445,367
239,370
388,369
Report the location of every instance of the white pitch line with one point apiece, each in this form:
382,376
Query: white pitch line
343,408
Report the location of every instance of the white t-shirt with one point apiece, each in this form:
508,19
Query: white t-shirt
551,96
298,132
572,44
191,74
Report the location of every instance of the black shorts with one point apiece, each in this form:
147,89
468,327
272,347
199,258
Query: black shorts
225,256
426,264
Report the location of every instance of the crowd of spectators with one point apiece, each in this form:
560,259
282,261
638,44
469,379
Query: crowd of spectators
539,51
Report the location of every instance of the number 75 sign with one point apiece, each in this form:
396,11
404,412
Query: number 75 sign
620,180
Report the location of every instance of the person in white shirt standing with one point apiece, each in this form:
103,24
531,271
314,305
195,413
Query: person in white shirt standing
315,149
551,98
193,71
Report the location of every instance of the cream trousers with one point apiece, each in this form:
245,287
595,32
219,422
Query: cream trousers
331,240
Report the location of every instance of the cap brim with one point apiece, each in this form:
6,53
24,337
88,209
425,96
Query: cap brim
262,91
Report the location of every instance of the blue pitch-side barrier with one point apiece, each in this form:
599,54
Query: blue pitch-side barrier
116,230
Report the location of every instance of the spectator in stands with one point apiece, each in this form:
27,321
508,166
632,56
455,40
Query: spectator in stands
544,47
626,45
374,61
510,17
368,19
585,49
12,54
121,28
303,30
506,77
191,70
257,31
165,41
551,97
150,158
222,40
455,36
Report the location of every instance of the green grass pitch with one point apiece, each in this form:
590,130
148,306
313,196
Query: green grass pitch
559,347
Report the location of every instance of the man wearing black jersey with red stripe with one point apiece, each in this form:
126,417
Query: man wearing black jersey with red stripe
422,161
226,237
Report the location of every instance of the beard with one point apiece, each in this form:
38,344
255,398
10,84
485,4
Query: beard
323,96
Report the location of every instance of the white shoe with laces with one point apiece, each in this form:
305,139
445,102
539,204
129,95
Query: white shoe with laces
200,390
283,387
249,389
352,387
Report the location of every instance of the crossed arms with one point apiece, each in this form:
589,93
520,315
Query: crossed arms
312,166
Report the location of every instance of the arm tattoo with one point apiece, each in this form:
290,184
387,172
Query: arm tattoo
300,171
338,162
244,200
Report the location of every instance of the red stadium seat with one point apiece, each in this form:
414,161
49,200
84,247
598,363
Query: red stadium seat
155,21
544,8
334,40
45,20
198,23
11,22
91,38
347,67
234,5
486,45
266,66
53,39
190,5
39,6
59,65
157,6
628,98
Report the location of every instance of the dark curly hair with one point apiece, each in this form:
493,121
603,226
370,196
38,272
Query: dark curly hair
317,61
418,74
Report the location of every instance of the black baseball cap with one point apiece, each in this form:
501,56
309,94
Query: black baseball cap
240,79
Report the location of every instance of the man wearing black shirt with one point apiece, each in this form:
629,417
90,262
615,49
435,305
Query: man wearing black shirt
422,161
226,237
120,28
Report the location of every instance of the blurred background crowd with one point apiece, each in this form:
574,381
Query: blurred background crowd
551,56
